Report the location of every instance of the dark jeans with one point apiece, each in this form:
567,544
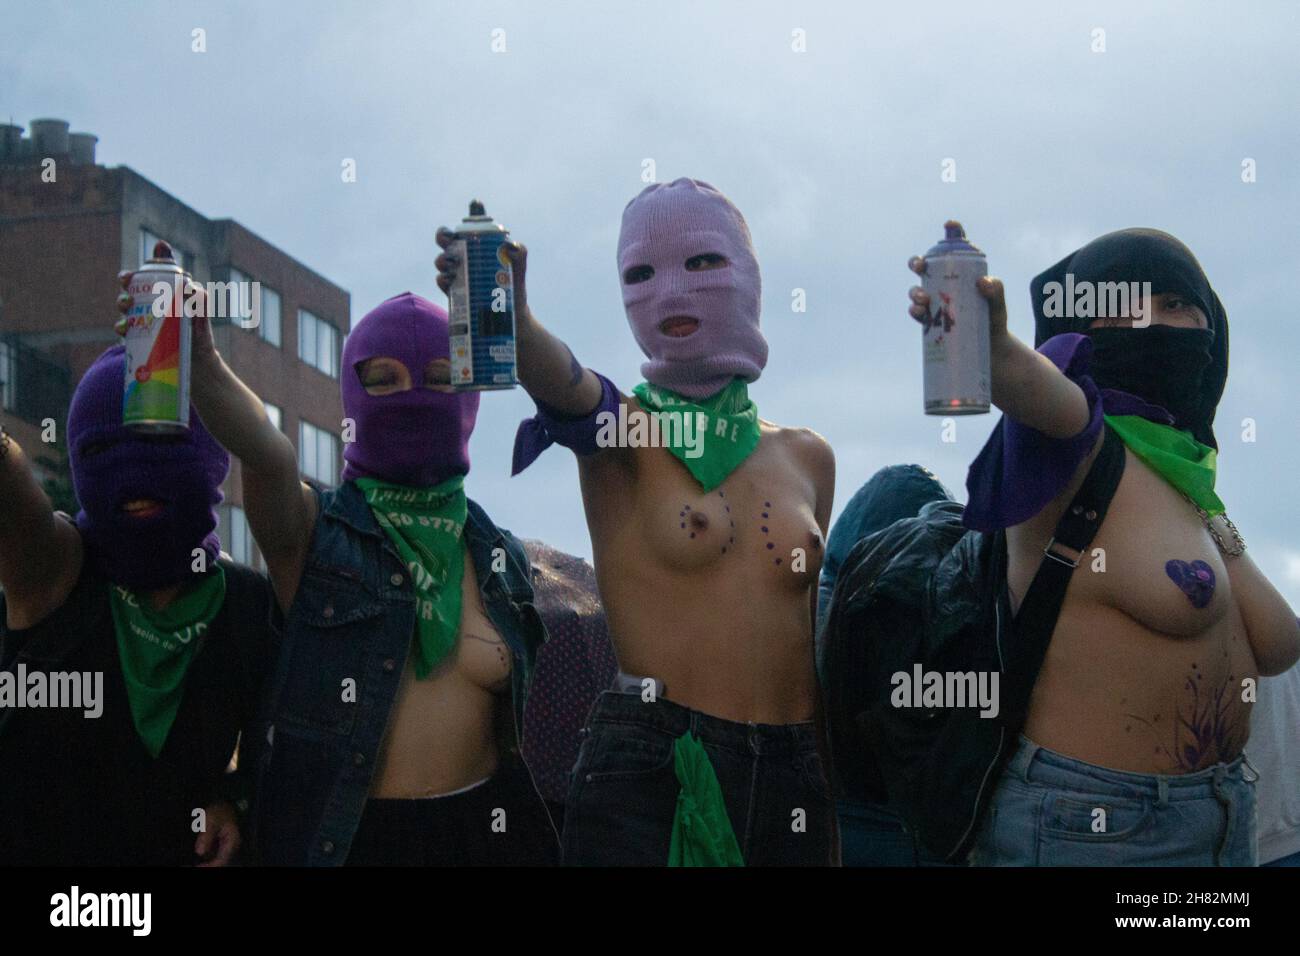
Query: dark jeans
623,793
873,835
500,822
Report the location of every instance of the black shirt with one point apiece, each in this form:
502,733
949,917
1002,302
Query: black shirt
84,791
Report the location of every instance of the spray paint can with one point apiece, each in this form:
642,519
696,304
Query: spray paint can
482,300
956,332
156,396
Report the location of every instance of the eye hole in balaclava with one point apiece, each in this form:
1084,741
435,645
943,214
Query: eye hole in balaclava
384,375
706,261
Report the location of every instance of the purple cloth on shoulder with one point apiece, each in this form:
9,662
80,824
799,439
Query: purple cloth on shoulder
549,427
1020,470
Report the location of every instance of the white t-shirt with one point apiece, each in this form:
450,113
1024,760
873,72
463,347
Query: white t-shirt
1274,751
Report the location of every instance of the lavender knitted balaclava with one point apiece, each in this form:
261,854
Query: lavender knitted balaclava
113,464
663,227
417,437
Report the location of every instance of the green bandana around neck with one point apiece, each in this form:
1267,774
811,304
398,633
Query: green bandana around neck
156,646
426,526
702,834
724,429
1174,455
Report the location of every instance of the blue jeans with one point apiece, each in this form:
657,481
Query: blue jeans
1052,810
623,794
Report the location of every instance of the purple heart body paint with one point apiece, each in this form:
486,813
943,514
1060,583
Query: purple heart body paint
1195,579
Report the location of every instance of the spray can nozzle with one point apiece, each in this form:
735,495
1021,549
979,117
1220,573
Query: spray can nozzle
162,252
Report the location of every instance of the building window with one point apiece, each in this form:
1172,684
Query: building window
150,239
273,413
8,378
269,326
318,453
239,305
240,544
318,343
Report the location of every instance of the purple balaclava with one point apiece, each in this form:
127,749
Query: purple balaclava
663,227
113,464
418,437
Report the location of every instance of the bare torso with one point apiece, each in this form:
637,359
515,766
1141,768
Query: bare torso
442,734
710,592
1142,674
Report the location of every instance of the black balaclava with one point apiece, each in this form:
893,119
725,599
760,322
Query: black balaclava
1181,370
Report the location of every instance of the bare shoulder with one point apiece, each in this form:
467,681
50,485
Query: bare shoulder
804,443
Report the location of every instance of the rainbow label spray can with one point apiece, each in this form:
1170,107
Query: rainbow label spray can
156,397
956,334
482,311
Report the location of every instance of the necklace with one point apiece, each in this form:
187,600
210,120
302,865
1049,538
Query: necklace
1239,543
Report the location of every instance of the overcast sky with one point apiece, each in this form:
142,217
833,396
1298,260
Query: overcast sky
833,154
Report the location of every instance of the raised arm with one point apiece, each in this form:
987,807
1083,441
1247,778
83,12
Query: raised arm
281,509
1026,385
548,370
40,553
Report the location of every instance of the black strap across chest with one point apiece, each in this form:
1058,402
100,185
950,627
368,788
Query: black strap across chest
1031,631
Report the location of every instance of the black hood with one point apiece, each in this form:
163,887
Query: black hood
1143,255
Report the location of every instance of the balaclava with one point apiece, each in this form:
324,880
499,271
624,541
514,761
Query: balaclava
665,225
417,437
113,464
1180,369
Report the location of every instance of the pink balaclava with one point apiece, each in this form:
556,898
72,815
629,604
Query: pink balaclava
663,227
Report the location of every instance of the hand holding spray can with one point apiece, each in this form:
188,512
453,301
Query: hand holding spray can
482,306
956,332
158,337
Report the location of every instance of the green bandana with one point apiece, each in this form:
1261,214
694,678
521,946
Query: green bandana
1174,455
426,526
156,647
702,834
722,434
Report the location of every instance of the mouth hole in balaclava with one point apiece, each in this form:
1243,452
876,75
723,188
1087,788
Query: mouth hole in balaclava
385,375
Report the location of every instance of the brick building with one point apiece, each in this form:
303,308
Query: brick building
68,226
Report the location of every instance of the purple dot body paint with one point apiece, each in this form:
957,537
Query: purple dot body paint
1195,579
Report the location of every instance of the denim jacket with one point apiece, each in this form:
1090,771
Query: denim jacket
352,620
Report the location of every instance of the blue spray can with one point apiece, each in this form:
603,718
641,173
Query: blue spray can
482,306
